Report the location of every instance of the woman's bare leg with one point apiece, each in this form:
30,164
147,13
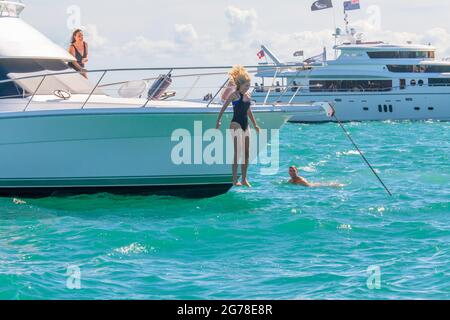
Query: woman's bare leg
246,162
234,128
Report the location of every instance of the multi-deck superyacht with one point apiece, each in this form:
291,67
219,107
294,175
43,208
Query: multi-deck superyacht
368,81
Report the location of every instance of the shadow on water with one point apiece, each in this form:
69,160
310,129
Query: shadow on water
105,204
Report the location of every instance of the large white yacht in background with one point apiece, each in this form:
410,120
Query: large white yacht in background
368,81
60,132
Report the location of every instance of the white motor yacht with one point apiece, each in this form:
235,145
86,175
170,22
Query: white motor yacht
369,81
61,133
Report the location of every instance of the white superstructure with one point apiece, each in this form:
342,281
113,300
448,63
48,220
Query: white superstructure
368,81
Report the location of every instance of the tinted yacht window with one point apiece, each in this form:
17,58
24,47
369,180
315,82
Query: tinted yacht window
439,82
25,66
401,54
419,68
8,89
350,85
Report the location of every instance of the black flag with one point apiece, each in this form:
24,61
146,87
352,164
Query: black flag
321,4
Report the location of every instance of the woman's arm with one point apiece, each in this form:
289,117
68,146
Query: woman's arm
74,63
85,60
228,91
253,120
224,107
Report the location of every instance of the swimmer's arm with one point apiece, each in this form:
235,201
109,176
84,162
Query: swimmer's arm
301,181
329,184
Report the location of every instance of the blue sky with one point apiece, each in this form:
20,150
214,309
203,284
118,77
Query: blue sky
219,32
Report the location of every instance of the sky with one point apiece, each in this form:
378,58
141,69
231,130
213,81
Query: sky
161,33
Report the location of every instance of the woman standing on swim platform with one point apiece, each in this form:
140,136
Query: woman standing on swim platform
242,111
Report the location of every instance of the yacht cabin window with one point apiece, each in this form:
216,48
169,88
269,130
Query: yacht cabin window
17,69
419,68
439,82
401,54
350,85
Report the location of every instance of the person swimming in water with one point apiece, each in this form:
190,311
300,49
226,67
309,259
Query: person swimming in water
298,180
241,100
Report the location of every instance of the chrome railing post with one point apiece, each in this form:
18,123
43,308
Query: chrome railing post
95,88
34,93
294,96
270,89
159,86
217,93
287,88
197,79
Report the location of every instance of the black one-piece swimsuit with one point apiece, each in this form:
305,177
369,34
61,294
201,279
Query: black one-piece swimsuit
240,109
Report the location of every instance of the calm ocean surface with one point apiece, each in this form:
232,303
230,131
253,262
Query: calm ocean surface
274,241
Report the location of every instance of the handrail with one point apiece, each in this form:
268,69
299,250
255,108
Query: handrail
181,76
217,93
93,90
273,83
290,90
34,93
275,67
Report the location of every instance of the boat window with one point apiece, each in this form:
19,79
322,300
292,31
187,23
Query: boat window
19,68
401,54
413,82
350,85
8,89
402,84
419,68
439,82
11,89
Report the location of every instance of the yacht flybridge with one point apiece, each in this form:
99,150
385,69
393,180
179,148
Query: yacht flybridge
368,81
60,132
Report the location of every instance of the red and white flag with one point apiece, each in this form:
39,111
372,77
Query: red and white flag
261,54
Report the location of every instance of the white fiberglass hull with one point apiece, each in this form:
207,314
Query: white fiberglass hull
120,150
376,106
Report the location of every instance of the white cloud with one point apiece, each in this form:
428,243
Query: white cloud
93,36
245,36
146,47
241,22
185,34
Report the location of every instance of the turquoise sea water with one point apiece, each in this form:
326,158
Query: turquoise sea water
274,241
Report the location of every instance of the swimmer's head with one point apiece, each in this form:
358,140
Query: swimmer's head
293,172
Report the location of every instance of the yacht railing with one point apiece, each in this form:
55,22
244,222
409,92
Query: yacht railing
215,73
169,72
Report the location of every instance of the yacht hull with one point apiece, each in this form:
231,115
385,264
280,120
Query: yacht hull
377,107
125,151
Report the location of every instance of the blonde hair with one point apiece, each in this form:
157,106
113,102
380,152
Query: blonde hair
239,75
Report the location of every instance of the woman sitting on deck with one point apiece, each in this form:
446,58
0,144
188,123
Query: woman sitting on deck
79,49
